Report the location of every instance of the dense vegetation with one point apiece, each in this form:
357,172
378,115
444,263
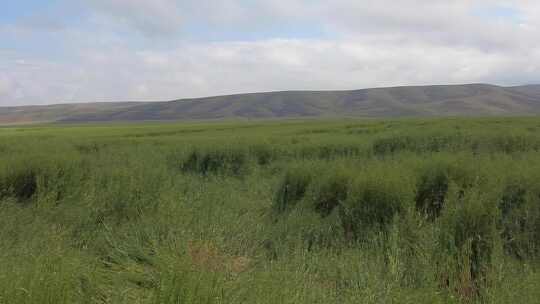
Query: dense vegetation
351,211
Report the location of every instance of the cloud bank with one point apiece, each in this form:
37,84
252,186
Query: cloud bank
119,50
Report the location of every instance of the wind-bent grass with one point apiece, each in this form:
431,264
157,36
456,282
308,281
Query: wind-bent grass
402,211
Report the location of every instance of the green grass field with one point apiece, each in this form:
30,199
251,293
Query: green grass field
351,211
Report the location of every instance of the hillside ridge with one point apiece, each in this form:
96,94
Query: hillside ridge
401,101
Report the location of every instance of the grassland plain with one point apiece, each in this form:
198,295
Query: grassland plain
317,211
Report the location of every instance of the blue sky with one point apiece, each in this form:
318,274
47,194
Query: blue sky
60,51
12,11
504,12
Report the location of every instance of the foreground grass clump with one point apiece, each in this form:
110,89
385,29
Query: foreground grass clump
225,161
520,217
20,184
435,179
398,211
293,187
469,237
373,200
432,190
329,190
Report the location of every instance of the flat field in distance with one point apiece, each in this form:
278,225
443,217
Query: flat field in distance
315,211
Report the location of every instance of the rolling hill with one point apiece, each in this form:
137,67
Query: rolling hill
409,101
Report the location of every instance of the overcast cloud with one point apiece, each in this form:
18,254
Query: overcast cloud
117,50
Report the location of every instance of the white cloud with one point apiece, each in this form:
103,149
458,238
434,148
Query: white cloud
365,44
7,86
234,67
150,17
439,21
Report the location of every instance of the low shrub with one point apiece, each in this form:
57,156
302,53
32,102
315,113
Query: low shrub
433,183
390,145
337,151
429,143
20,183
520,219
431,191
293,187
513,143
329,191
372,202
328,151
264,154
41,180
468,237
225,161
418,143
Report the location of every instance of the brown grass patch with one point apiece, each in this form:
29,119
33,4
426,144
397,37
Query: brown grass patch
206,256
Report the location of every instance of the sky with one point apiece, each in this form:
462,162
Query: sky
63,51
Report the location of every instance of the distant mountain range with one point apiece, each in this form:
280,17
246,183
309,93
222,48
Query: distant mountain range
409,101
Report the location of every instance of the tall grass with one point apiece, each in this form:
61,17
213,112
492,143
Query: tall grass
402,211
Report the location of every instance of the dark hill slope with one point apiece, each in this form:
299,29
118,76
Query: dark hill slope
440,100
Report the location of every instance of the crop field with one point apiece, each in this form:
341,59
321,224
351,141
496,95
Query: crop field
313,211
